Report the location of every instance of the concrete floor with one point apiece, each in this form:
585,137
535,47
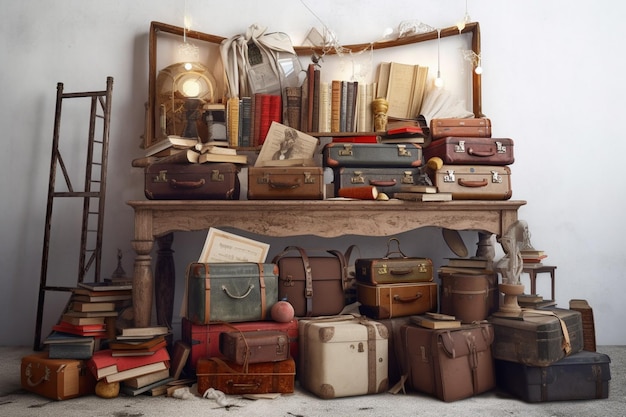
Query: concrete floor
16,402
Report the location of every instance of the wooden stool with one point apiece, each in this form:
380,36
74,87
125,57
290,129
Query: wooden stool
532,272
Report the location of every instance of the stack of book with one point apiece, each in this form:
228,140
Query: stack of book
533,257
61,345
421,193
436,321
139,341
104,365
534,301
470,266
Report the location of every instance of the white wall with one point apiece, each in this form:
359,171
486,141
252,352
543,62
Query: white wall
553,82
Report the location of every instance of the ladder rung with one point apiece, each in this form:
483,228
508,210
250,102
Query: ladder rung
57,288
77,194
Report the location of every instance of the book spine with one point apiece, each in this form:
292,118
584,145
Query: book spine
343,107
324,107
293,107
246,123
256,123
233,121
350,100
310,96
304,105
315,118
335,106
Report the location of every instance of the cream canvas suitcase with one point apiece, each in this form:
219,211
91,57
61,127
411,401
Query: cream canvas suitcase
342,356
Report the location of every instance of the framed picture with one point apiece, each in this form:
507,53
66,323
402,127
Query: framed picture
221,246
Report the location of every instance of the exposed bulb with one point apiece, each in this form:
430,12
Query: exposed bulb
478,70
460,26
188,66
438,82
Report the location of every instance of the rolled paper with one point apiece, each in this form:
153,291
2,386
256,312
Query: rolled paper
368,192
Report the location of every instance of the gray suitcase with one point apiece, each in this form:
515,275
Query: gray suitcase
405,155
386,180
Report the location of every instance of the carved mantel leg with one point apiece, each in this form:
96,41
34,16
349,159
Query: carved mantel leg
485,246
142,282
165,281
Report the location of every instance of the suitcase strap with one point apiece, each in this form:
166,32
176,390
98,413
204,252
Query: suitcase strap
566,345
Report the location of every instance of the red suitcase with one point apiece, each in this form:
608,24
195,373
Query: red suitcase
468,150
204,339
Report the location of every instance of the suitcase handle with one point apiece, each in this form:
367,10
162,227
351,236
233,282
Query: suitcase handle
186,184
407,299
472,184
380,183
403,271
29,373
238,297
284,185
483,154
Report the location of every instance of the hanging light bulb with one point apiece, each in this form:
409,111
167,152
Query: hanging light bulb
466,19
438,80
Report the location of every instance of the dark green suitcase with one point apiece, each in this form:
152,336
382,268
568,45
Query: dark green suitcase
230,292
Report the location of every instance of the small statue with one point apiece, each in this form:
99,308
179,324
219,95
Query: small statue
512,263
379,108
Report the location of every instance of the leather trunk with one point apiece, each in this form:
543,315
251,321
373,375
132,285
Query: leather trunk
479,127
314,285
539,338
468,150
393,270
386,180
405,155
469,297
230,292
474,182
384,301
176,181
285,183
450,364
204,339
57,379
580,376
258,378
255,346
343,356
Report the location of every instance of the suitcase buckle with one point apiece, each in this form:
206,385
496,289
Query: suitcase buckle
460,147
407,178
500,148
495,177
216,176
346,151
421,268
357,178
449,177
383,270
308,178
403,151
161,176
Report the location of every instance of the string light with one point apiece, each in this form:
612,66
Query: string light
187,52
466,19
438,80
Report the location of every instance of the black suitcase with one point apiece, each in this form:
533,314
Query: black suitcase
580,376
387,180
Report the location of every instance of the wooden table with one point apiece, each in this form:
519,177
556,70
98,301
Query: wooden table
157,219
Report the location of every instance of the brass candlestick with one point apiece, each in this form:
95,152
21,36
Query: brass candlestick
379,108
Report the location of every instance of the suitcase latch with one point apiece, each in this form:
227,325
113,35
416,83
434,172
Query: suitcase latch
421,268
346,151
500,148
308,178
449,177
403,151
495,177
407,178
383,270
357,178
460,147
216,176
161,176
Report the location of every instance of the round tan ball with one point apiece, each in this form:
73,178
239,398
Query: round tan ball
107,389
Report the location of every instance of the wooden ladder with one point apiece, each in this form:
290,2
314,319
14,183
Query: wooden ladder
92,192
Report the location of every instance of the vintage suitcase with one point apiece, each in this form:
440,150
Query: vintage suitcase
255,346
230,292
540,338
474,182
479,127
343,356
450,364
210,181
468,297
314,285
57,379
394,267
385,301
255,378
204,339
288,183
580,376
468,150
386,180
405,155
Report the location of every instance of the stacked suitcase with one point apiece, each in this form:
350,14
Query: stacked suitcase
475,166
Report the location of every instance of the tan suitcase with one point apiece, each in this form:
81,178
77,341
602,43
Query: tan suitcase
474,182
342,356
57,379
385,301
292,183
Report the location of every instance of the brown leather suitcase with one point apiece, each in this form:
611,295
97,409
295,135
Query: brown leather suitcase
314,284
394,267
469,297
395,351
384,301
257,378
479,127
540,338
57,379
255,346
468,150
175,181
450,364
290,183
474,182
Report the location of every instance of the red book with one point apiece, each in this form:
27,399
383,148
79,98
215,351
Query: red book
271,112
80,329
103,363
356,139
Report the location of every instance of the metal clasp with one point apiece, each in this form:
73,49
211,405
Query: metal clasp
308,178
403,151
161,176
407,177
460,147
346,151
500,148
357,178
495,177
449,177
216,176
